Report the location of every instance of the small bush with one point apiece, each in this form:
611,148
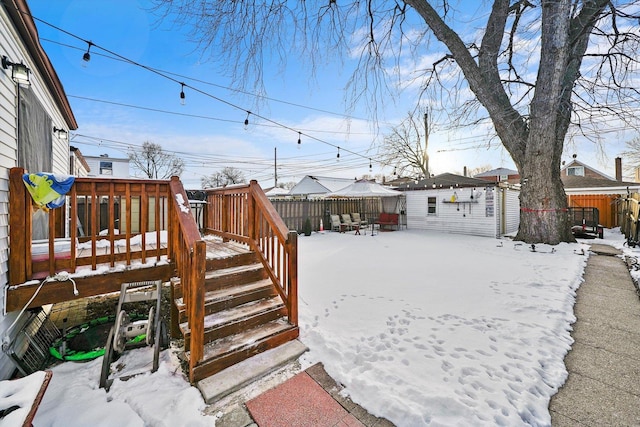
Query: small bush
306,229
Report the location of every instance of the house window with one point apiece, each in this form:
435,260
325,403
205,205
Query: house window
106,168
575,171
431,206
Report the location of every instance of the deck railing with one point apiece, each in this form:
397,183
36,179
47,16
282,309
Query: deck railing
112,216
188,251
244,214
110,221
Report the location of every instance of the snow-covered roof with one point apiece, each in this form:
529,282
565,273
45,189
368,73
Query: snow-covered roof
364,188
497,172
319,185
277,191
444,180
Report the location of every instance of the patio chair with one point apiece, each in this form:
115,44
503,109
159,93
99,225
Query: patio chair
346,220
335,223
358,220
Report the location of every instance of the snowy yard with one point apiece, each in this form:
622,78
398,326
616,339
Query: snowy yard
421,328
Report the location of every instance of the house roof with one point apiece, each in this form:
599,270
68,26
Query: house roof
497,172
445,180
20,15
575,162
319,185
590,182
365,188
76,151
276,191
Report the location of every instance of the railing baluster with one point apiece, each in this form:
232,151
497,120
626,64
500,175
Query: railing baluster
73,226
112,212
95,204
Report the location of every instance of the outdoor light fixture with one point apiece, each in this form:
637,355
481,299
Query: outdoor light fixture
61,133
182,95
19,72
246,121
87,55
338,156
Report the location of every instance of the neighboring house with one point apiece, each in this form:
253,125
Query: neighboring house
78,165
588,187
458,204
318,186
579,169
500,175
276,192
104,166
34,124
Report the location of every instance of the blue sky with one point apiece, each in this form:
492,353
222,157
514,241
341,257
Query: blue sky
208,131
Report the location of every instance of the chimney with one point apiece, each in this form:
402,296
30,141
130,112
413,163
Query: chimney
618,169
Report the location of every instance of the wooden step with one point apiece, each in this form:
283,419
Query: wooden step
227,277
236,319
226,298
234,276
231,261
225,352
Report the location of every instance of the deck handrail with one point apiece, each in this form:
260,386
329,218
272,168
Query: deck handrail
243,213
94,205
189,252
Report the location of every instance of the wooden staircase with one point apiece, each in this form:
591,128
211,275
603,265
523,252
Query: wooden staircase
244,313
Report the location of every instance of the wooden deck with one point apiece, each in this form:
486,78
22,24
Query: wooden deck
107,235
106,278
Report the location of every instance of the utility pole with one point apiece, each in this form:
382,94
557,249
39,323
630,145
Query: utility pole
275,165
425,155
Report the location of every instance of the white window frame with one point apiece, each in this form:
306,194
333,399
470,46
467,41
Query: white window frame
577,171
432,202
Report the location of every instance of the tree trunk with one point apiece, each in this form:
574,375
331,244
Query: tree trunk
543,202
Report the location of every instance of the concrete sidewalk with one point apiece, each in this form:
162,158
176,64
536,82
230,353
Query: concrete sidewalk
603,388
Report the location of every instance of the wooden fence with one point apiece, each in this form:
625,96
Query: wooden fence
630,209
295,212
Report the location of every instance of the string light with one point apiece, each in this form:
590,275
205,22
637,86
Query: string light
246,121
395,171
87,55
370,167
299,140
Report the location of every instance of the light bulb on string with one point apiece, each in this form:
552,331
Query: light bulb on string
87,55
370,166
395,171
338,155
299,140
246,121
183,99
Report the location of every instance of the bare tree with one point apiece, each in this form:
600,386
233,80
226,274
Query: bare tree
632,156
533,69
226,176
406,147
155,163
479,170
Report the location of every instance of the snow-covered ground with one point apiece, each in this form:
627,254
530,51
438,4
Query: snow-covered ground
421,328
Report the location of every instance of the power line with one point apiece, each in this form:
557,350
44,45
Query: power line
193,88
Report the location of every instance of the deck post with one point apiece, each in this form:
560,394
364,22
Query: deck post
196,305
251,211
19,227
292,282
